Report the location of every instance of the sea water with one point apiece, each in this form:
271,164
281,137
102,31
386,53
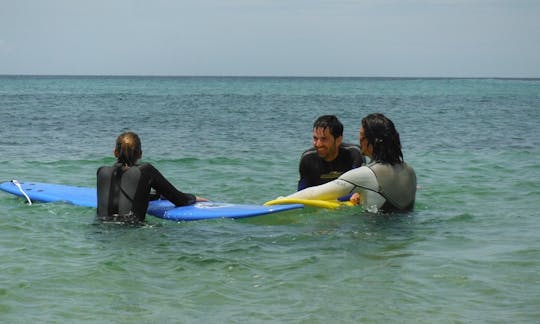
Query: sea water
469,252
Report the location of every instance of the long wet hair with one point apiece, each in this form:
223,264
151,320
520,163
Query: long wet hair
128,148
380,132
332,123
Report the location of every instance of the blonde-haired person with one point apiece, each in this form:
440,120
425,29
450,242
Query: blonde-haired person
123,190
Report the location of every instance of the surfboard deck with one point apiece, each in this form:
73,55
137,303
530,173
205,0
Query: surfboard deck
329,204
87,197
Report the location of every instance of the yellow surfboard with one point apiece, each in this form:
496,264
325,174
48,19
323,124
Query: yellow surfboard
329,204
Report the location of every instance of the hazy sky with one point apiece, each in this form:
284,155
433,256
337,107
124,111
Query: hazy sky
453,38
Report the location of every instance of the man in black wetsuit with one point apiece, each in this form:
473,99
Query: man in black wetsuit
329,157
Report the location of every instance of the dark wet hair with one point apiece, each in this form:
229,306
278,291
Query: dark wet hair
128,147
331,122
380,132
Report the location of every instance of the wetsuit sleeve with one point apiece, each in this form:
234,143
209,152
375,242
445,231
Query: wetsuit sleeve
304,181
306,171
165,188
301,184
361,177
328,191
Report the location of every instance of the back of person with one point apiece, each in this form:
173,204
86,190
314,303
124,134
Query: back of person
397,184
123,190
123,193
116,192
382,186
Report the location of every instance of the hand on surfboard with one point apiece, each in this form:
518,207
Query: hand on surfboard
355,199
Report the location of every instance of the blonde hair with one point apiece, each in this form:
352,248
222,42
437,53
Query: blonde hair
128,148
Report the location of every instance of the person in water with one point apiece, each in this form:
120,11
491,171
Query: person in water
123,190
329,157
386,184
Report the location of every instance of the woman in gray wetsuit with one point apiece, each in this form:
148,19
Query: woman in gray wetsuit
123,190
386,184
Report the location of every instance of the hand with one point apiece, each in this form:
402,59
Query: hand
200,199
355,199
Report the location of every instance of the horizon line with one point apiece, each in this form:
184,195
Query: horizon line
264,76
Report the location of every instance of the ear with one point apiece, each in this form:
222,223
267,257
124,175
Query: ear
115,153
339,140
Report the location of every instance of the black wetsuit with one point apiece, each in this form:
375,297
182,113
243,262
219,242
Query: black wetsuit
123,194
315,171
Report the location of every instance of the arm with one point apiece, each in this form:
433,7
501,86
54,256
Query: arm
165,188
302,183
328,191
349,182
307,171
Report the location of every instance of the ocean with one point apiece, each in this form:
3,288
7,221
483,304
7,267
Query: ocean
468,253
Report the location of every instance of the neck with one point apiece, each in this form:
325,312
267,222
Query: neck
331,158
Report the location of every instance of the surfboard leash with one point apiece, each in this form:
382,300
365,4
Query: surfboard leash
18,185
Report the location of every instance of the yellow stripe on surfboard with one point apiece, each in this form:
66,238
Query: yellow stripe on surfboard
330,204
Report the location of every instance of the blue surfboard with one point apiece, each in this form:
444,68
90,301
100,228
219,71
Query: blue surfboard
87,197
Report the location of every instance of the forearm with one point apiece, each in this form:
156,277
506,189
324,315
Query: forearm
328,191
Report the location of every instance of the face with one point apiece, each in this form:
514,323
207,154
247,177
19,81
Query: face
327,146
367,149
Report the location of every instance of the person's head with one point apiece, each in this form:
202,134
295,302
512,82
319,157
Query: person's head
327,136
128,148
379,139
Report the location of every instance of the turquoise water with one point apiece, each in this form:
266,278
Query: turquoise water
469,252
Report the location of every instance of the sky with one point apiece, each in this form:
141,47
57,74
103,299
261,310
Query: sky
364,38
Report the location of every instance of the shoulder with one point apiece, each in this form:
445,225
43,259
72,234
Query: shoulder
105,169
146,168
102,170
352,148
309,154
360,174
409,169
387,169
355,152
